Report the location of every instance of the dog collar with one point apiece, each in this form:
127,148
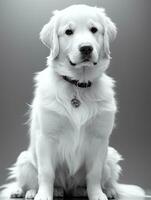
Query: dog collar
77,83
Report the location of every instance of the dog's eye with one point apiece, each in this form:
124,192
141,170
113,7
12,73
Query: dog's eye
93,29
69,32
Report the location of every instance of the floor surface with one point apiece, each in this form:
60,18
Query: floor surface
81,198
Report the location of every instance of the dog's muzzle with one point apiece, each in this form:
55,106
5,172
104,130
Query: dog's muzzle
86,56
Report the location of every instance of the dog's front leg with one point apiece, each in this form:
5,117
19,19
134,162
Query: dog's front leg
45,150
99,132
95,164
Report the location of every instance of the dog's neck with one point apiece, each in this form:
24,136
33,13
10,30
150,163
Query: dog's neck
77,83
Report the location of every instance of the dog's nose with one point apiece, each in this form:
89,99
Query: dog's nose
86,50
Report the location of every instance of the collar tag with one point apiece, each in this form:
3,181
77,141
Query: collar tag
75,102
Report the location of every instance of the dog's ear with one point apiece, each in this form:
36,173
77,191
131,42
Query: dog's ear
49,36
109,32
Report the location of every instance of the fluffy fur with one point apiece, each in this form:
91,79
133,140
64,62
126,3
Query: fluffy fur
69,146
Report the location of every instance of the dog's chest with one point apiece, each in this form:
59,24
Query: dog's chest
71,149
80,115
72,126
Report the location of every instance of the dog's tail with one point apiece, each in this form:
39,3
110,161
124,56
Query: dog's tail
131,191
6,189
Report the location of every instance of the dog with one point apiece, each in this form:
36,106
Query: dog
73,112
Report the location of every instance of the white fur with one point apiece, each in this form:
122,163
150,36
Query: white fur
69,146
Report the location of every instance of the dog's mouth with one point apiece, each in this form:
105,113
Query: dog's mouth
85,62
71,63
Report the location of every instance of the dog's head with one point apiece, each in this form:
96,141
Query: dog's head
78,38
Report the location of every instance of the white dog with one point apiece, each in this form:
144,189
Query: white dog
73,112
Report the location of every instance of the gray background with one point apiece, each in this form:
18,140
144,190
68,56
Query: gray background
22,54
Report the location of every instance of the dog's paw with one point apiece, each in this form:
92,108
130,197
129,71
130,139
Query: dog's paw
30,194
43,195
111,193
98,196
17,193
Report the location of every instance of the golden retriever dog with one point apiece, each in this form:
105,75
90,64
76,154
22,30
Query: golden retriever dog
72,113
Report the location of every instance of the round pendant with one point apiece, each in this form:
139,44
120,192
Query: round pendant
75,102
